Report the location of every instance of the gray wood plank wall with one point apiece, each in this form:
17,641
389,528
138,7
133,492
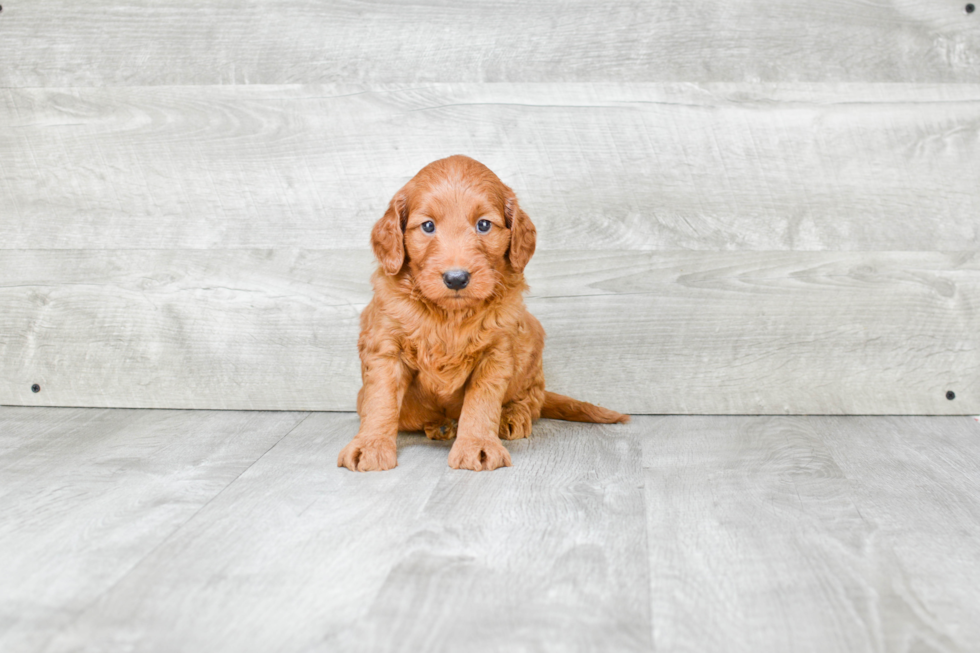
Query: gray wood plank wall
141,42
742,208
678,332
613,166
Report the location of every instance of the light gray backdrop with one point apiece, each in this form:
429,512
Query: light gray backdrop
743,207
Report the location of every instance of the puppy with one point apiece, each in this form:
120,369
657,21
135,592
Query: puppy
447,345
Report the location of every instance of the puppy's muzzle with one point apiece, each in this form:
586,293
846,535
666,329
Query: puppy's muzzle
456,279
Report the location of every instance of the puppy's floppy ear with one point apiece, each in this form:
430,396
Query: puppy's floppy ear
523,235
388,235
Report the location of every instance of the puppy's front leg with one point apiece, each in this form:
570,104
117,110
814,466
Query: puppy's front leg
374,448
477,445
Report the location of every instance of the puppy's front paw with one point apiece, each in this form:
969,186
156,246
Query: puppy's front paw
369,455
478,455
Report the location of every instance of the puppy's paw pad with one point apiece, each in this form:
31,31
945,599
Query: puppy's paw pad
478,455
441,431
368,455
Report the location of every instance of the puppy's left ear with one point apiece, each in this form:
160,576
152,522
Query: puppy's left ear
388,236
523,235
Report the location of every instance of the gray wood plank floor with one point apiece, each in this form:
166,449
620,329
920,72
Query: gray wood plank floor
160,530
86,494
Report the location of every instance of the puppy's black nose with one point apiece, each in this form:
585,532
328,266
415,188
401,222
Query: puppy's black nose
456,279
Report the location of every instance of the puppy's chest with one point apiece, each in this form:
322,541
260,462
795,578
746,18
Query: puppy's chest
444,361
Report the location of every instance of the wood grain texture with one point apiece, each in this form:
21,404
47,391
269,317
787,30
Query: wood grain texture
597,166
174,531
103,43
547,555
813,534
295,550
919,485
642,332
255,329
87,495
300,555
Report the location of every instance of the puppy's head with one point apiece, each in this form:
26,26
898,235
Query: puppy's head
457,230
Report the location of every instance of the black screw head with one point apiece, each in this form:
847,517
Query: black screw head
970,8
35,388
950,395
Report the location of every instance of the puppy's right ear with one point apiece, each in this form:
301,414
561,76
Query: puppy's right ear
388,235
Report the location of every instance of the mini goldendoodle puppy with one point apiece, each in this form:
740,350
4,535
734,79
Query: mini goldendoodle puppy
447,345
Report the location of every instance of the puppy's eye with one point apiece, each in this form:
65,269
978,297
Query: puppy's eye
428,226
483,226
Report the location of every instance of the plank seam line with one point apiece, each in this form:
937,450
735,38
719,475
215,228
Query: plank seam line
169,537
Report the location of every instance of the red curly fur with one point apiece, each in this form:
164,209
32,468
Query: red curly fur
465,362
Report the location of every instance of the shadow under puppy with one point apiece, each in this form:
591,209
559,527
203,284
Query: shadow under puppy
447,345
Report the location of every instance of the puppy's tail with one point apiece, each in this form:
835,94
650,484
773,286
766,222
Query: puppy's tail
558,406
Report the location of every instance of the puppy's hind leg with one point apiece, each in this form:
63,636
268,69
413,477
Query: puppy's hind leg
518,415
441,430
